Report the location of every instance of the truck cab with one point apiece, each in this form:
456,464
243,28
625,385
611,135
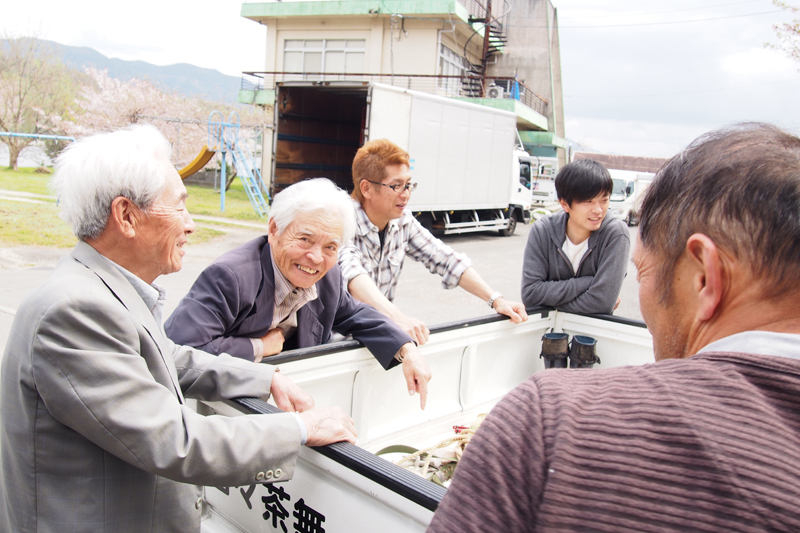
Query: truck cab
626,194
521,199
541,174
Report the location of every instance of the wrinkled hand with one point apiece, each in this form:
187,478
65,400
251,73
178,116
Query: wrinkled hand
288,396
273,343
416,329
416,372
513,310
326,425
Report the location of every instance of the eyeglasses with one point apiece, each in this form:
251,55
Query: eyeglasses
410,187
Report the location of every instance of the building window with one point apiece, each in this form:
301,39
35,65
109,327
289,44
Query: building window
451,64
324,55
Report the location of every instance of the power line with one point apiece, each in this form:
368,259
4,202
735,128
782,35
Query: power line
680,93
561,27
634,14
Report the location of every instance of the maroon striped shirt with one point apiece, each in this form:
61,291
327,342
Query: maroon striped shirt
706,444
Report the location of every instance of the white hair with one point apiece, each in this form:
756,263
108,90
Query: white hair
318,196
94,170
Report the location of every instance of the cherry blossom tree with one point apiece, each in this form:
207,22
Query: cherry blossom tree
107,103
35,91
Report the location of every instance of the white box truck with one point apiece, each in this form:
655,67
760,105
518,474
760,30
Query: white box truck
463,155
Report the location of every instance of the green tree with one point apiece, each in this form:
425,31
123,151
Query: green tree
36,90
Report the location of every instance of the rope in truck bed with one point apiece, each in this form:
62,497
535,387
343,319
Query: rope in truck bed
436,463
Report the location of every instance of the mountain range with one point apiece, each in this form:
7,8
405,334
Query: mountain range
182,78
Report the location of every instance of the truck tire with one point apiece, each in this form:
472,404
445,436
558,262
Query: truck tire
509,230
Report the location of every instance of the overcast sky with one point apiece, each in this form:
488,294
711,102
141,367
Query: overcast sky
641,77
645,77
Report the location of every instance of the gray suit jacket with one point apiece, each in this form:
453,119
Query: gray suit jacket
96,434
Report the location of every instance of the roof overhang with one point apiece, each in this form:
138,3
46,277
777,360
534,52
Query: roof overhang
527,118
542,138
267,10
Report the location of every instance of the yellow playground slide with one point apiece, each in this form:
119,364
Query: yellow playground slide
197,163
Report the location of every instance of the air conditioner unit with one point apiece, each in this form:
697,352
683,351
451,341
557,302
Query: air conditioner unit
494,92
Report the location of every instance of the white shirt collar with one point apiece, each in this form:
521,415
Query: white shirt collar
758,342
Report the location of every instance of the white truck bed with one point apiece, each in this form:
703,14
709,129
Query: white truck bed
346,488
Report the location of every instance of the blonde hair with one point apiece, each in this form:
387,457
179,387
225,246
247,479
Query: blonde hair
371,161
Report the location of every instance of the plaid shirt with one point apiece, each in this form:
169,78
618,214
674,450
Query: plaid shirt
404,237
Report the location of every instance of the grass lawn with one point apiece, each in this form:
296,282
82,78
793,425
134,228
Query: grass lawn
29,224
202,201
34,224
24,179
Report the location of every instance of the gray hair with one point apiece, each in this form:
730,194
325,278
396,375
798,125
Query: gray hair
319,196
740,186
94,170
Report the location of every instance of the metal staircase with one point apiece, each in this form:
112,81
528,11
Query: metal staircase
472,83
495,39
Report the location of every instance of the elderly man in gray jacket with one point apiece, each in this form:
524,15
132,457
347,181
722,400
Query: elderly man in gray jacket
576,259
96,433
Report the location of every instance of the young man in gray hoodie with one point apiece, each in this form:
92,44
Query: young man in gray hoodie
576,259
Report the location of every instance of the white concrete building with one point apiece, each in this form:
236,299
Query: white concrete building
436,46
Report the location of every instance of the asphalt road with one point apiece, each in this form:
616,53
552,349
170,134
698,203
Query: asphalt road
497,259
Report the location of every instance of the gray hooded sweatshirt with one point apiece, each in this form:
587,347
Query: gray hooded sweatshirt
549,279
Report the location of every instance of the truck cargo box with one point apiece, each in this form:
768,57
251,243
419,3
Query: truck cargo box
347,488
462,154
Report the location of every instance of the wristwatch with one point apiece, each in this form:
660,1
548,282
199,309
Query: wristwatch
495,295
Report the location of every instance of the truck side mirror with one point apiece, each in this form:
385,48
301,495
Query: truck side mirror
629,190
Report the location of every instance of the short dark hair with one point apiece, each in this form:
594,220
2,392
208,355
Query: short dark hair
739,186
582,180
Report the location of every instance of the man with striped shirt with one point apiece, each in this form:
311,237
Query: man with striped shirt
708,437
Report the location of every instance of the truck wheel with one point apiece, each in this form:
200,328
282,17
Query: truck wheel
510,228
629,219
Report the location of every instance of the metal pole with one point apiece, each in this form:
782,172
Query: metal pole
223,180
487,30
177,155
36,136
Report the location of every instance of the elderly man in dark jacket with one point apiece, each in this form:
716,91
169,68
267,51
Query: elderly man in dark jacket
285,290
